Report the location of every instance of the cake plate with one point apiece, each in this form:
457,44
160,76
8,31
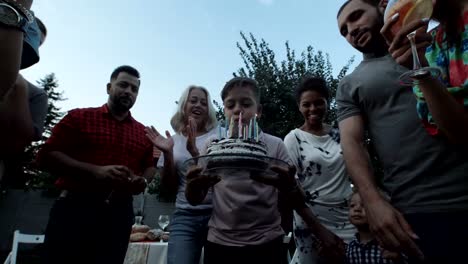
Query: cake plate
236,166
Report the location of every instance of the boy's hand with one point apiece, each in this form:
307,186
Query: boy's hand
331,246
197,185
285,180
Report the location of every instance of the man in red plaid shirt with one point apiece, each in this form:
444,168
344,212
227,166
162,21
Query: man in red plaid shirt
101,157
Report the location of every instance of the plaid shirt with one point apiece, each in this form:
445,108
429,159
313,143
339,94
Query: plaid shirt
94,136
368,253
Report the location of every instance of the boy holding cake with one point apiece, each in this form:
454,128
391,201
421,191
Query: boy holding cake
245,226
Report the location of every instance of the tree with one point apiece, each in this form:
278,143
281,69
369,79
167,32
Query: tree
277,81
36,178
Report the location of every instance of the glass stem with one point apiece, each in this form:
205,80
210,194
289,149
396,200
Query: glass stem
412,39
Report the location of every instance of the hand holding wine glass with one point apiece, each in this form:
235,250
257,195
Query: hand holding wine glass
405,30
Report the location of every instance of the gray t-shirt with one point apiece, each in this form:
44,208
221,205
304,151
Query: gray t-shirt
245,212
38,105
422,174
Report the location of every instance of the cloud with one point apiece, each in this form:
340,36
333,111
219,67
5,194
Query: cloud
266,2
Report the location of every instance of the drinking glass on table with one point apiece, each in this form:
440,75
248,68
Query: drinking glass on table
138,219
163,221
410,11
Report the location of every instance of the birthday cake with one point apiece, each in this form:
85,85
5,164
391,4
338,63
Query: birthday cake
238,147
237,152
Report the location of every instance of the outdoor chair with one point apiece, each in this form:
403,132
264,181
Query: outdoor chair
22,238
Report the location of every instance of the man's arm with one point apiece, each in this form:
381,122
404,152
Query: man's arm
390,227
60,163
11,49
357,158
16,117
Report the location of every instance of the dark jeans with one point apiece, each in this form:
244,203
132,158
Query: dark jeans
443,236
85,229
271,253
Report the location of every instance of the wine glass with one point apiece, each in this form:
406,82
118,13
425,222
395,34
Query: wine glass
163,221
410,11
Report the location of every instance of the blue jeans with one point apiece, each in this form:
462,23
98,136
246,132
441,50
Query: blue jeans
189,229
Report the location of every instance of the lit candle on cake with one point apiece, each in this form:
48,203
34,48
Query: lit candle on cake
239,126
256,128
250,128
231,127
226,124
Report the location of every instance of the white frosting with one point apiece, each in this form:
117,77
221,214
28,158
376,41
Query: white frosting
237,146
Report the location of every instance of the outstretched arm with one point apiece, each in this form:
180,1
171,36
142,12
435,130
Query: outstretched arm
169,177
11,49
391,229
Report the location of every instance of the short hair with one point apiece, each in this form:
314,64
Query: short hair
370,2
124,68
241,82
312,83
178,120
41,26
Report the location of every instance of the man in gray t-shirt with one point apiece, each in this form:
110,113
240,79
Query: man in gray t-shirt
426,177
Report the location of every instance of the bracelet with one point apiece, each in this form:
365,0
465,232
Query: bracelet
20,9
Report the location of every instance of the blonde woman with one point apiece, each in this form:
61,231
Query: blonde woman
194,124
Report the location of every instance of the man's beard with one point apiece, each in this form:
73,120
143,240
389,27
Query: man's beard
120,105
377,42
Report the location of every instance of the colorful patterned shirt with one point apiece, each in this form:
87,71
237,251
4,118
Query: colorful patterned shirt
94,136
452,61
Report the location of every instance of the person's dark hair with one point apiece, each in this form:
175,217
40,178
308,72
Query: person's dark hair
370,2
445,12
125,68
312,83
241,82
41,26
